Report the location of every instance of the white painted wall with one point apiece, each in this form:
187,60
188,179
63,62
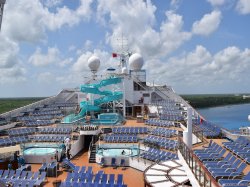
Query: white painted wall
77,146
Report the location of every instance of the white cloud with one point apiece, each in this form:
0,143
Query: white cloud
243,6
31,19
12,75
138,26
208,23
46,77
65,62
8,53
52,57
174,4
52,3
225,69
39,59
216,2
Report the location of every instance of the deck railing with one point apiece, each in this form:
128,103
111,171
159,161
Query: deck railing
200,172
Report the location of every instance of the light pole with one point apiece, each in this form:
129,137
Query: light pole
2,2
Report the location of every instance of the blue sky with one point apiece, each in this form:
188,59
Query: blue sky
194,46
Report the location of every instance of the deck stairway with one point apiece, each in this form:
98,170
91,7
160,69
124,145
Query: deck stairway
92,157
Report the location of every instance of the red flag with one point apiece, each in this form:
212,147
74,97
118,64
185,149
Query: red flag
201,120
114,55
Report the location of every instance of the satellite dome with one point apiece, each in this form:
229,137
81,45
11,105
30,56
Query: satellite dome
136,61
124,70
94,63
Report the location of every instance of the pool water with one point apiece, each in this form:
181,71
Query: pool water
118,152
39,151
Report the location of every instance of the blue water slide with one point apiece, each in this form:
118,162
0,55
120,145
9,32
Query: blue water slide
109,96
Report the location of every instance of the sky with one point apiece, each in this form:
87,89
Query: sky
195,46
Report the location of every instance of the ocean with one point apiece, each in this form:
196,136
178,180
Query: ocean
229,116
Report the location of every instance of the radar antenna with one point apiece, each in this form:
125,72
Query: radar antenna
2,2
122,51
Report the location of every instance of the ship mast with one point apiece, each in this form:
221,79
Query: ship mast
2,2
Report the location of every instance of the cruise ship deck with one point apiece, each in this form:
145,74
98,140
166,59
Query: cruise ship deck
118,131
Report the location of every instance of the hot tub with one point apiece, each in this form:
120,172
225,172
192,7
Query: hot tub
120,152
40,154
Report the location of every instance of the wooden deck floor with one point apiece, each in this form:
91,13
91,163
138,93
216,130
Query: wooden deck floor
132,177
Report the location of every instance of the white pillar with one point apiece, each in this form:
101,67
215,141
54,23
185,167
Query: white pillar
189,127
124,99
187,135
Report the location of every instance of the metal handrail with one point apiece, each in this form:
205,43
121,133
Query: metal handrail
201,173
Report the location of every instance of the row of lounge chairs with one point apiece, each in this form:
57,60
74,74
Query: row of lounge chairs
240,182
220,167
213,152
35,118
155,155
159,123
210,130
120,138
42,113
240,147
164,132
21,131
171,117
33,130
13,141
63,105
35,123
99,179
171,112
48,138
130,130
55,130
161,142
166,103
22,178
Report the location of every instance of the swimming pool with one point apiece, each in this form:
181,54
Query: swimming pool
118,152
39,151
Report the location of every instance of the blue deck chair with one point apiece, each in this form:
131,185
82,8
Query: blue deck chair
76,176
104,179
75,184
113,162
83,169
220,162
41,179
1,172
69,177
112,179
43,167
89,170
11,174
225,174
36,176
244,181
5,174
119,179
226,167
29,175
102,163
97,178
